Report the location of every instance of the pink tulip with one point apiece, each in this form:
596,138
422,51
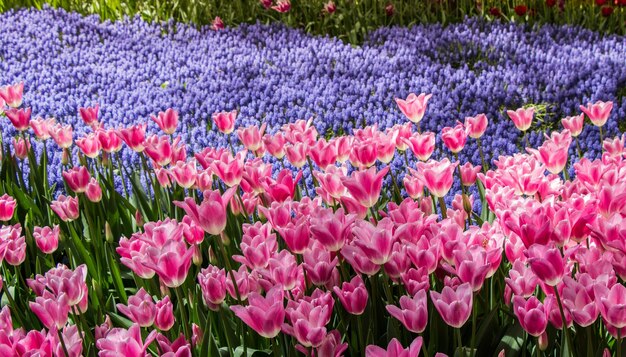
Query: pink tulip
353,295
469,173
230,169
330,7
13,244
612,304
21,147
413,312
330,183
210,215
296,235
266,3
395,349
375,241
167,121
134,136
323,153
47,239
212,282
140,309
284,187
579,302
89,145
7,207
275,144
598,112
251,136
332,229
476,126
62,135
385,148
364,153
574,124
247,283
89,114
20,118
437,175
282,6
414,106
547,263
415,280
531,315
109,140
297,154
614,147
365,186
52,311
522,118
265,315
320,265
171,262
94,191
521,280
66,208
454,138
257,245
60,281
422,145
159,149
122,342
472,266
344,147
399,134
77,178
41,127
308,318
225,121
13,94
454,305
184,173
284,270
217,24
164,318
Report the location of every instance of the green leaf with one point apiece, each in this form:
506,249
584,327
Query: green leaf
512,341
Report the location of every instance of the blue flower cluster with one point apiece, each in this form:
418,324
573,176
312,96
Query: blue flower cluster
274,74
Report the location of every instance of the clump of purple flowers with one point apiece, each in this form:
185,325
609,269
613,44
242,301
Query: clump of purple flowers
274,75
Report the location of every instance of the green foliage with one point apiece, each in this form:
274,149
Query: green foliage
352,20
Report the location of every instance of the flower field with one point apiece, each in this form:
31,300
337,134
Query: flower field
257,191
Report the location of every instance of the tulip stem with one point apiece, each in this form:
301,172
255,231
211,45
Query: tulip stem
183,314
67,354
580,152
601,140
473,343
459,341
444,210
565,331
482,155
619,331
276,347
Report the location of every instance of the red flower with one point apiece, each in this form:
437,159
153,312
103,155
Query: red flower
600,2
550,3
494,11
521,10
607,11
390,10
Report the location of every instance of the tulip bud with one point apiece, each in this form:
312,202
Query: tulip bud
197,255
467,205
212,257
139,219
108,234
65,157
196,335
542,341
97,289
225,238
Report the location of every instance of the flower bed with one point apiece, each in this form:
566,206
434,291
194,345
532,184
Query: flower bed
193,231
134,69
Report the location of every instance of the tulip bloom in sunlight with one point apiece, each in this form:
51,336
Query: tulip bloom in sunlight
414,107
